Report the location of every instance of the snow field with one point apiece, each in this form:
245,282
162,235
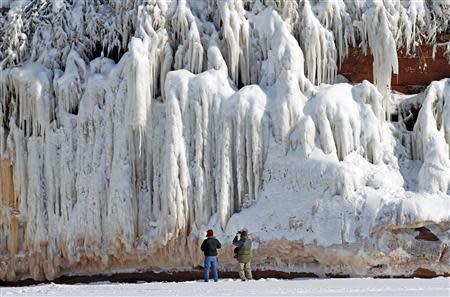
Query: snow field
227,287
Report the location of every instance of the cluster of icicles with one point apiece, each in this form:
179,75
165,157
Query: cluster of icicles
113,155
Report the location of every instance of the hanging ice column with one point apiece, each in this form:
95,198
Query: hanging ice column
215,166
34,105
175,176
432,138
235,31
243,149
191,176
376,29
319,48
282,73
189,54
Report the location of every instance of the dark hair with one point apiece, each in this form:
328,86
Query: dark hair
244,233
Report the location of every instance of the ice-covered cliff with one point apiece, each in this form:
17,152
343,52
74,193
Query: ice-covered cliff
127,128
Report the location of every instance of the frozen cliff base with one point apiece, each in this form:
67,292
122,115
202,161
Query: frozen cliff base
313,213
217,115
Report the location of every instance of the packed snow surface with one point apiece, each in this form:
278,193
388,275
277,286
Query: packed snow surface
130,127
264,287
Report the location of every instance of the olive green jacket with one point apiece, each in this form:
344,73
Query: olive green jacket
244,245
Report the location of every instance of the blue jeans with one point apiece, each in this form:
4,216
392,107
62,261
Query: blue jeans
210,261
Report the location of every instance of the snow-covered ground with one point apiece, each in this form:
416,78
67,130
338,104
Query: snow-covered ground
129,128
266,287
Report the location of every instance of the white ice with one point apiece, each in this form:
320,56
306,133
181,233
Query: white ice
228,287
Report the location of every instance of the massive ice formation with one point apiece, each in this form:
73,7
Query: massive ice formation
129,127
432,138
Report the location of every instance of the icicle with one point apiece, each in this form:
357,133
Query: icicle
341,113
280,49
118,158
334,16
194,53
32,87
68,87
175,178
235,33
165,68
384,50
318,45
142,74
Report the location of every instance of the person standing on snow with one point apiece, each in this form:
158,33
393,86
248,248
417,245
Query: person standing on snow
244,254
209,248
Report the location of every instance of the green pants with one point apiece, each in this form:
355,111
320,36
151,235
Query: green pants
245,271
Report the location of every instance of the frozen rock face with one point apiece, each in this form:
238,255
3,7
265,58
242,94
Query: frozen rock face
128,128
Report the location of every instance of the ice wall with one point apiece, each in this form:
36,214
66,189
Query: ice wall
129,128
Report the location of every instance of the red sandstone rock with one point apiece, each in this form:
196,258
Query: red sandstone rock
416,72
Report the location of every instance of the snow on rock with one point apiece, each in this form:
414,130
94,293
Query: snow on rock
128,128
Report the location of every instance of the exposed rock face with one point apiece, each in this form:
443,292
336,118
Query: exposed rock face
416,72
119,147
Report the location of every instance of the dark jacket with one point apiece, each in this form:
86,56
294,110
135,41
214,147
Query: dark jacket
244,249
210,246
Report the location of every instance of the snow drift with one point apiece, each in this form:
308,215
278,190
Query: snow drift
129,128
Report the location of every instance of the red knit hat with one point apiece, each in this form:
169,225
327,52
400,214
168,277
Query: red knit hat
209,233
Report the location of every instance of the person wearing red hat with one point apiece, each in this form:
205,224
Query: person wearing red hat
209,248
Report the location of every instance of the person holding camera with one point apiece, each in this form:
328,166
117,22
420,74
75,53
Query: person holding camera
209,248
243,253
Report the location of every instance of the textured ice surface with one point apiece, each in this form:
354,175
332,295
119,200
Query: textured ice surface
132,127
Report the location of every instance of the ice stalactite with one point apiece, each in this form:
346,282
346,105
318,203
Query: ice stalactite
225,138
319,48
247,126
166,64
334,16
73,77
189,53
277,46
235,31
341,113
432,140
142,78
283,69
36,231
200,104
90,165
34,102
324,31
175,176
195,50
412,19
375,27
132,126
